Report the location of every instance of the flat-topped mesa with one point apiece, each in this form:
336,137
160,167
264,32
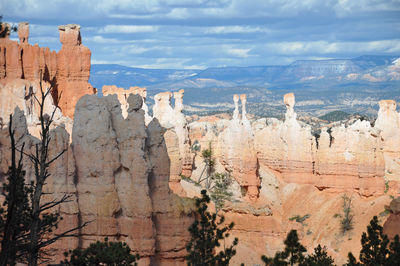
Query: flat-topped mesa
70,34
73,69
23,32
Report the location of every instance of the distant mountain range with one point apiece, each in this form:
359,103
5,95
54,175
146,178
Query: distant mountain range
352,85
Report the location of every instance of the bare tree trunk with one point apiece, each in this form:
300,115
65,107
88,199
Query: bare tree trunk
40,163
41,223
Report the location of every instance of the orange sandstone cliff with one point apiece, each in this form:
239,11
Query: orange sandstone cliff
21,65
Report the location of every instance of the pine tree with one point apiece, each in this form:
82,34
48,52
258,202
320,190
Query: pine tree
374,243
293,248
216,184
351,261
292,255
219,192
277,260
102,253
209,163
206,235
375,248
394,257
319,258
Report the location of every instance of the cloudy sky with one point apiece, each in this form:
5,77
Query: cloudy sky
212,33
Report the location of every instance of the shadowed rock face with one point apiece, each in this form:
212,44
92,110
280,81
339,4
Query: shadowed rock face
112,172
123,94
117,172
176,138
392,225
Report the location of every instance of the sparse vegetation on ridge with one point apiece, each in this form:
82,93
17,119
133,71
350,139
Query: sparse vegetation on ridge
217,184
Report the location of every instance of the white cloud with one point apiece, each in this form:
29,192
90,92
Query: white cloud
102,40
178,13
169,63
128,28
136,49
345,8
325,47
238,52
234,29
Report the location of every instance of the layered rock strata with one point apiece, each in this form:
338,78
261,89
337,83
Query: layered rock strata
73,69
67,71
345,158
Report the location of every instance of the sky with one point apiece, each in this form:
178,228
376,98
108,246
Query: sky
196,34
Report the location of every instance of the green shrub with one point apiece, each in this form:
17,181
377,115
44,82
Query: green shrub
346,223
102,253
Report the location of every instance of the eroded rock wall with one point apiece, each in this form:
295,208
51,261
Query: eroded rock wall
67,71
342,158
117,173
